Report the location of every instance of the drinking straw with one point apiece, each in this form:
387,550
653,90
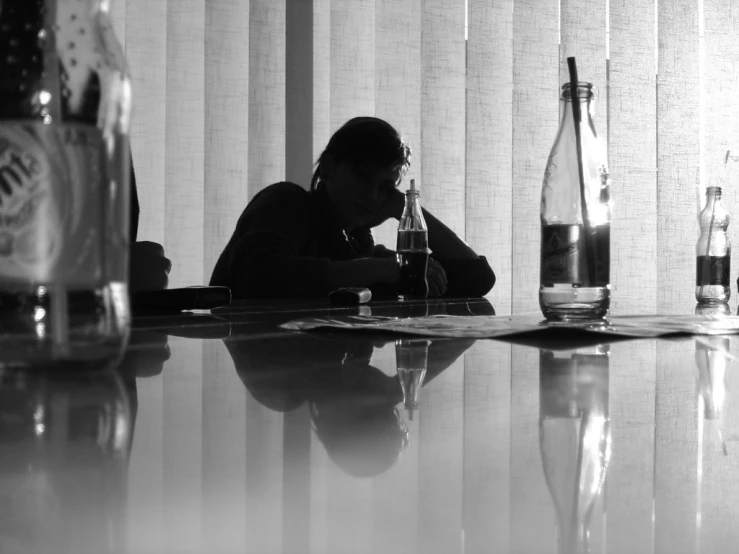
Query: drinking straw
577,117
413,185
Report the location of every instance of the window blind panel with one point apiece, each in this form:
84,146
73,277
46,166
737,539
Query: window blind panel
535,120
144,507
264,477
632,117
319,505
299,92
677,157
395,491
223,451
443,111
489,155
184,145
352,60
321,76
296,499
487,447
531,505
440,462
226,183
721,111
398,86
629,487
720,487
676,450
182,444
146,52
267,21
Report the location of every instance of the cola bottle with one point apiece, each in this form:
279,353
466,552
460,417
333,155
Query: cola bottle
65,102
412,248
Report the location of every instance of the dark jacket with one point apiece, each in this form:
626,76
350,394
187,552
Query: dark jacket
287,237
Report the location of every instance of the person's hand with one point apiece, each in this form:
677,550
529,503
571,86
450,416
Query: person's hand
391,207
149,267
436,277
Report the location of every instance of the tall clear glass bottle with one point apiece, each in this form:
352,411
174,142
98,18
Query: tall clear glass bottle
413,248
65,103
575,223
713,252
574,437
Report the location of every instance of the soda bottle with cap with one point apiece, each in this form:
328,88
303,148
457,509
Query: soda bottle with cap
65,103
412,248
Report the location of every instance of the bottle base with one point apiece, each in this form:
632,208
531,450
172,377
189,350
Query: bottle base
712,294
51,327
563,302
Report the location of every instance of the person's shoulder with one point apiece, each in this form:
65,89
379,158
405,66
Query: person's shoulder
284,190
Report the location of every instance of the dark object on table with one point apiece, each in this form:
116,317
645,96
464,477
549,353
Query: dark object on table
350,296
176,300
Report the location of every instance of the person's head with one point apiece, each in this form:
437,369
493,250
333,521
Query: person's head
362,163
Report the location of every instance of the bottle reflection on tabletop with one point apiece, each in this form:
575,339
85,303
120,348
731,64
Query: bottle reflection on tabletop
574,437
64,442
352,403
411,357
712,357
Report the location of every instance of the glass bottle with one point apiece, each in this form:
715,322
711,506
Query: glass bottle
575,236
412,248
411,356
574,437
713,251
65,102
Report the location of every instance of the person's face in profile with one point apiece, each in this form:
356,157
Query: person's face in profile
359,191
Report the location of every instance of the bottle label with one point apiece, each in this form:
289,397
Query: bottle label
712,270
564,251
51,206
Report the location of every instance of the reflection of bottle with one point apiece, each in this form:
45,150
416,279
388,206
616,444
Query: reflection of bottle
574,437
412,248
713,251
575,223
412,360
63,456
64,160
712,358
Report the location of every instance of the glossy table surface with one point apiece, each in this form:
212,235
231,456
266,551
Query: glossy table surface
223,433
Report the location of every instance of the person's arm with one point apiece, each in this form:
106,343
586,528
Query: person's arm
264,260
467,273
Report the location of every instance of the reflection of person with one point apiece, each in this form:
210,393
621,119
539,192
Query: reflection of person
148,266
352,403
290,242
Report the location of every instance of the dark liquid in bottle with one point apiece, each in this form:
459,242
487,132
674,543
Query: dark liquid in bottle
713,270
413,266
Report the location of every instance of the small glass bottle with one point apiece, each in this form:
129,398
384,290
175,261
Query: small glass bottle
575,235
412,248
713,252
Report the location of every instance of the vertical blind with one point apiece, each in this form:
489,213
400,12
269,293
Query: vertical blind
232,95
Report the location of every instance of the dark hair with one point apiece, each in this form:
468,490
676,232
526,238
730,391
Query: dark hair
366,140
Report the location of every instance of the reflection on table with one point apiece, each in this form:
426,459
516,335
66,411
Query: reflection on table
224,433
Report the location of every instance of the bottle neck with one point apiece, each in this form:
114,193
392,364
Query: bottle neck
586,115
412,204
